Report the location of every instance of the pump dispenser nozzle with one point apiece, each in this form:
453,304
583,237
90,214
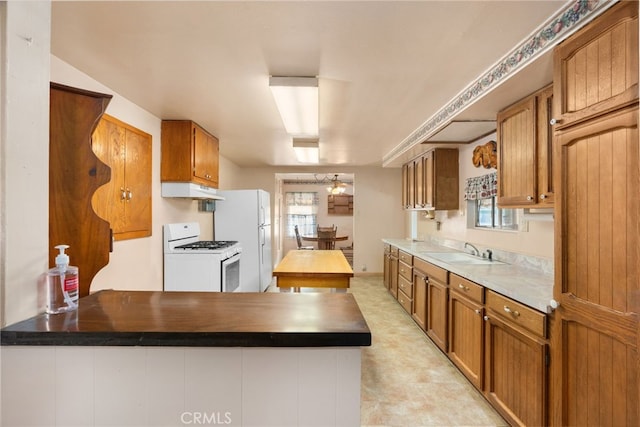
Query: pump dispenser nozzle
62,259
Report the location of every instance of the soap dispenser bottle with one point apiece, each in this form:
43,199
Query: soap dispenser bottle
62,285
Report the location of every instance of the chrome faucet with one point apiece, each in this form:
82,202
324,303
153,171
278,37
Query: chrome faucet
475,252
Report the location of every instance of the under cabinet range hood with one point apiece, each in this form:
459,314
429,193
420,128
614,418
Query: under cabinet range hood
189,190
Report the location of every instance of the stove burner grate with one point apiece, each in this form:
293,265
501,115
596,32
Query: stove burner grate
207,245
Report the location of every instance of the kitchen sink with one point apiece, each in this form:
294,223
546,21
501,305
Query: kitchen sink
462,258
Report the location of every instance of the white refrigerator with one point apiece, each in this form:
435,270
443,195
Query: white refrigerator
245,216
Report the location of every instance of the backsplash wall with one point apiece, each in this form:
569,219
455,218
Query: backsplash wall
537,240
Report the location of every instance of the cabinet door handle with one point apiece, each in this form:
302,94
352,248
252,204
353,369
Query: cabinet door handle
463,287
486,318
543,196
553,122
478,311
123,194
514,313
529,198
129,194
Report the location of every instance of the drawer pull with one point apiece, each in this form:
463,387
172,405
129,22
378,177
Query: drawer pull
463,287
514,313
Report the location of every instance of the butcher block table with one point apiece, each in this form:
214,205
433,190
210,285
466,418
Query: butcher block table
314,269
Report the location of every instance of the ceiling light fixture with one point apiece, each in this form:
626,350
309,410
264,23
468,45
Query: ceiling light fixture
307,150
297,101
337,186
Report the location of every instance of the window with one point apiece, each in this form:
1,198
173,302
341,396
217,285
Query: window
302,209
480,193
489,215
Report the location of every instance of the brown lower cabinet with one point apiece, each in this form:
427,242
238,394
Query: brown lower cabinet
466,328
420,283
515,364
515,373
391,270
437,302
500,345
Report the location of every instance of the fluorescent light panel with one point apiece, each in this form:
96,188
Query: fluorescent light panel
297,101
306,149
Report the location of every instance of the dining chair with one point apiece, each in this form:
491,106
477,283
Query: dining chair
299,240
333,228
327,239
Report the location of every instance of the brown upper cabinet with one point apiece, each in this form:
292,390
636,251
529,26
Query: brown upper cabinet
525,142
340,204
189,153
126,200
596,72
430,181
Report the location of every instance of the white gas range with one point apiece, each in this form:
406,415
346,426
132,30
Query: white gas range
191,264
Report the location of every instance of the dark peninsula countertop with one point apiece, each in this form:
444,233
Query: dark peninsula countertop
199,319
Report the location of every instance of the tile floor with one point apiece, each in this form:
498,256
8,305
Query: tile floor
406,379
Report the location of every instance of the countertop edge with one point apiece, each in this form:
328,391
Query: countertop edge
186,339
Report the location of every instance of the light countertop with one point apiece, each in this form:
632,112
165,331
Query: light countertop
528,286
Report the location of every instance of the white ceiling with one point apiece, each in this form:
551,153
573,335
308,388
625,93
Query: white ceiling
385,67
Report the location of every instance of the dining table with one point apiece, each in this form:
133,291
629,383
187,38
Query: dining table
324,243
314,269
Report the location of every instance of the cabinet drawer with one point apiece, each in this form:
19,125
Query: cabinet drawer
433,271
405,286
394,250
405,257
471,290
405,270
405,301
517,313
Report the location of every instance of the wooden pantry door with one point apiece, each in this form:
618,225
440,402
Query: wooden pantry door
595,336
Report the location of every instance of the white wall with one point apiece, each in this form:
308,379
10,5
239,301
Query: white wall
537,241
24,157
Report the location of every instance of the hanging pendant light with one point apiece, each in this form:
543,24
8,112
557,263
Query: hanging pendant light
337,186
